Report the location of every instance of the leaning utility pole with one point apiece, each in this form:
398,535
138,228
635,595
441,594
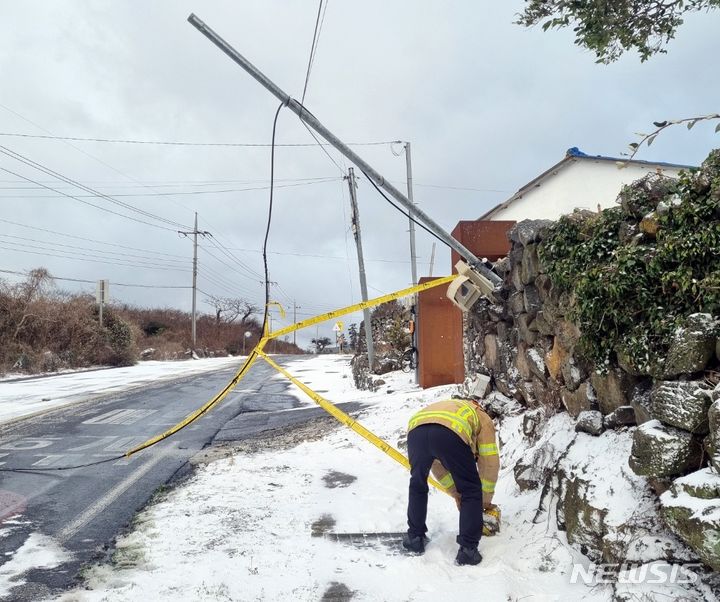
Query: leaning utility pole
195,233
355,218
492,279
411,214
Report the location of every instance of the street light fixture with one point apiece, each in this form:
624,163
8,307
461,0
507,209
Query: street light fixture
247,335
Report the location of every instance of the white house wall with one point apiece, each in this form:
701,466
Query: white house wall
582,184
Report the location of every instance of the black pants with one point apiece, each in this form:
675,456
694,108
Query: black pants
430,442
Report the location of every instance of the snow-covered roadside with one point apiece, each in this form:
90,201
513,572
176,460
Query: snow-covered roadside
240,528
22,398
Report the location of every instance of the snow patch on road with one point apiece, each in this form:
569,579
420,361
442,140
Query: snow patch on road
38,552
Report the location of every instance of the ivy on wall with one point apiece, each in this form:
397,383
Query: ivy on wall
633,273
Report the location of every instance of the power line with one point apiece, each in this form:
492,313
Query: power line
313,46
180,193
94,281
247,275
185,143
57,255
225,251
38,166
405,213
102,242
171,184
114,255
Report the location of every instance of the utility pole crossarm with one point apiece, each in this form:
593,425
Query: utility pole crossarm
312,122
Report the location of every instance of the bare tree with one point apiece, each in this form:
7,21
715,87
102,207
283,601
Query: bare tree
229,309
321,343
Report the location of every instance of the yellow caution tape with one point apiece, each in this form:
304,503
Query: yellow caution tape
362,305
265,339
348,421
190,418
281,309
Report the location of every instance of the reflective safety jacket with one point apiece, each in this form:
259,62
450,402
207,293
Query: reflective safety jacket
475,428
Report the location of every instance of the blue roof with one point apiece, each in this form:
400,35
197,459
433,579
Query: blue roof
576,152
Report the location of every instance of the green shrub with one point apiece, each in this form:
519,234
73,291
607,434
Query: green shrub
630,292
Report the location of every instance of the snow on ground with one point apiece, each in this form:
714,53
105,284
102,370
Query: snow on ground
38,551
23,397
241,527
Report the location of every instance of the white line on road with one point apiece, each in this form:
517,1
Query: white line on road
120,416
94,509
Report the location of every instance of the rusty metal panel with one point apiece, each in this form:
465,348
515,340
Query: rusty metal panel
485,238
439,339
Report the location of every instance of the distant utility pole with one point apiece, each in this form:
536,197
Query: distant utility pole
432,260
355,216
195,233
295,308
413,256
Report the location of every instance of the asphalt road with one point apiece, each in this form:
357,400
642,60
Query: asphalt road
85,508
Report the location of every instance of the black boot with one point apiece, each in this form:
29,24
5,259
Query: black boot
415,544
468,556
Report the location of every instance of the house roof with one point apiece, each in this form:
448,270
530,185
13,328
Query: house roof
571,156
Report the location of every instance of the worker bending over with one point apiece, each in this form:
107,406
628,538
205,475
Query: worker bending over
455,438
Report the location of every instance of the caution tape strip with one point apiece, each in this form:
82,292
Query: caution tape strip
190,418
406,292
258,352
347,420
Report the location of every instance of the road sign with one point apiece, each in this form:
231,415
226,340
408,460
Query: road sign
338,327
102,292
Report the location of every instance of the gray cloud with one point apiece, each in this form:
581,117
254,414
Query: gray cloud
486,105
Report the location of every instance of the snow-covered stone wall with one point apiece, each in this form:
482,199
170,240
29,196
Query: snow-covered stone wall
657,429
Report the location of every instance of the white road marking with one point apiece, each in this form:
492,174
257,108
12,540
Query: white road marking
58,459
30,443
96,442
96,508
120,416
2,456
124,443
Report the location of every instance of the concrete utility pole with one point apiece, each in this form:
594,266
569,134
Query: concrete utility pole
411,213
355,217
312,122
413,256
295,308
195,233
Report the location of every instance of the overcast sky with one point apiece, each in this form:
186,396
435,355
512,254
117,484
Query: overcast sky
487,106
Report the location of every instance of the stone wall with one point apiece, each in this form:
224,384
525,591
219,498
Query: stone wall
529,346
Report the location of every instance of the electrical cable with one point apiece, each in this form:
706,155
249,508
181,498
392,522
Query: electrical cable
269,220
241,373
58,468
183,143
56,254
168,194
94,281
102,242
112,254
405,213
70,196
225,251
48,171
312,53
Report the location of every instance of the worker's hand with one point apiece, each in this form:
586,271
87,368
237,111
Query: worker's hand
488,506
491,520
